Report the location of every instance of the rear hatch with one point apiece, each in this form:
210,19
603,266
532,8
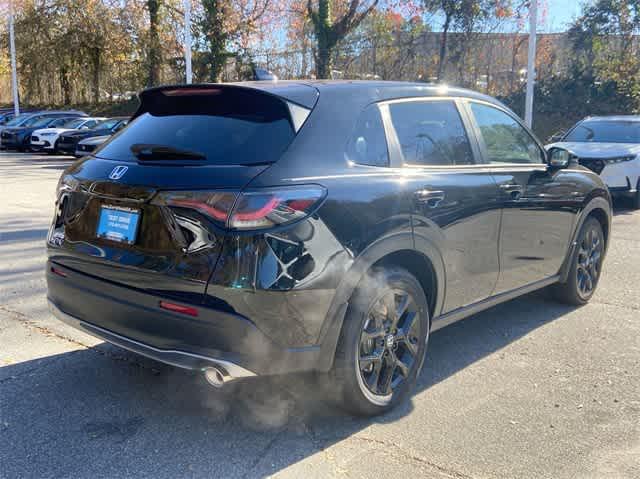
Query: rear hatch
109,222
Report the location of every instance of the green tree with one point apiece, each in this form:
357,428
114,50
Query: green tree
331,27
225,27
462,15
604,40
154,49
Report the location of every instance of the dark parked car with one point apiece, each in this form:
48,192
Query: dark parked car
68,142
269,228
7,114
89,145
19,137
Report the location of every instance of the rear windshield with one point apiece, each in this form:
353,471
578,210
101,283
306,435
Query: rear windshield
606,132
223,127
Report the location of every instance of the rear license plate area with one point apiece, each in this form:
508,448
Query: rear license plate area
118,223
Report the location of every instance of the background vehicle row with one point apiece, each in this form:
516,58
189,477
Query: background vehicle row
58,132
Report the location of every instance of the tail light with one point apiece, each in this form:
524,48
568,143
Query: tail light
66,183
248,210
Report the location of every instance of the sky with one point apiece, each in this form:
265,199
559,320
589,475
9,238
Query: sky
553,16
559,13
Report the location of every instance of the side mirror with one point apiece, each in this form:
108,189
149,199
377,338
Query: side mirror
558,157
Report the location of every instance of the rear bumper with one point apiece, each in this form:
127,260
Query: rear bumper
179,359
133,319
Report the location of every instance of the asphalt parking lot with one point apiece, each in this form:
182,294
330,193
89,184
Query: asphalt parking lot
528,389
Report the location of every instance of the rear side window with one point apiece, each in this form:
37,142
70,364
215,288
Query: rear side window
368,144
505,139
431,133
220,126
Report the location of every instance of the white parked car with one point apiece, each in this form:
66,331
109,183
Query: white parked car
45,138
609,146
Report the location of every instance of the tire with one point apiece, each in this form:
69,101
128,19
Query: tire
636,197
366,380
586,266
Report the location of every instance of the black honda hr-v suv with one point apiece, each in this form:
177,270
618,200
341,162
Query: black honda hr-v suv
278,227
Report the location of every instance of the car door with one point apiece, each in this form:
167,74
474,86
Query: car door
455,200
539,204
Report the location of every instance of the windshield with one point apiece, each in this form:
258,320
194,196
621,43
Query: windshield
605,131
18,120
75,123
107,124
37,122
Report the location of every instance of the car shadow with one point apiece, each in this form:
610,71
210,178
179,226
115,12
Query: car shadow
106,412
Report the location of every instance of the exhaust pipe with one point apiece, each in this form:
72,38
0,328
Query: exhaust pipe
217,376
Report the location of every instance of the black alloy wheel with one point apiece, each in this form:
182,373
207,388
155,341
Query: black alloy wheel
589,260
382,344
389,343
586,265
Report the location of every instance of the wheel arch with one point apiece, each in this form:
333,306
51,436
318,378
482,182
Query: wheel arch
416,254
598,207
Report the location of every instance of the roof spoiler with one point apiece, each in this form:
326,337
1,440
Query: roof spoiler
197,96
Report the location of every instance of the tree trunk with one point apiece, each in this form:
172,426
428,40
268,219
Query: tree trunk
154,51
324,34
442,57
216,38
96,63
324,62
65,84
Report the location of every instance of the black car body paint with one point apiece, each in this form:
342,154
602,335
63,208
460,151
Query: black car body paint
273,301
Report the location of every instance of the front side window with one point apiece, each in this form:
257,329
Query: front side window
368,145
505,139
431,133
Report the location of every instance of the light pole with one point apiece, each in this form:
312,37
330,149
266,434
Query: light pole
187,41
531,63
14,68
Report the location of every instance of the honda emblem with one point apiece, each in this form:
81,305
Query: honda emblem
118,172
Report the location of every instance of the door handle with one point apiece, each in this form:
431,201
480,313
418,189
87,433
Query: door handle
430,198
514,190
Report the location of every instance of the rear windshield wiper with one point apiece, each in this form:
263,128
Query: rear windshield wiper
151,152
